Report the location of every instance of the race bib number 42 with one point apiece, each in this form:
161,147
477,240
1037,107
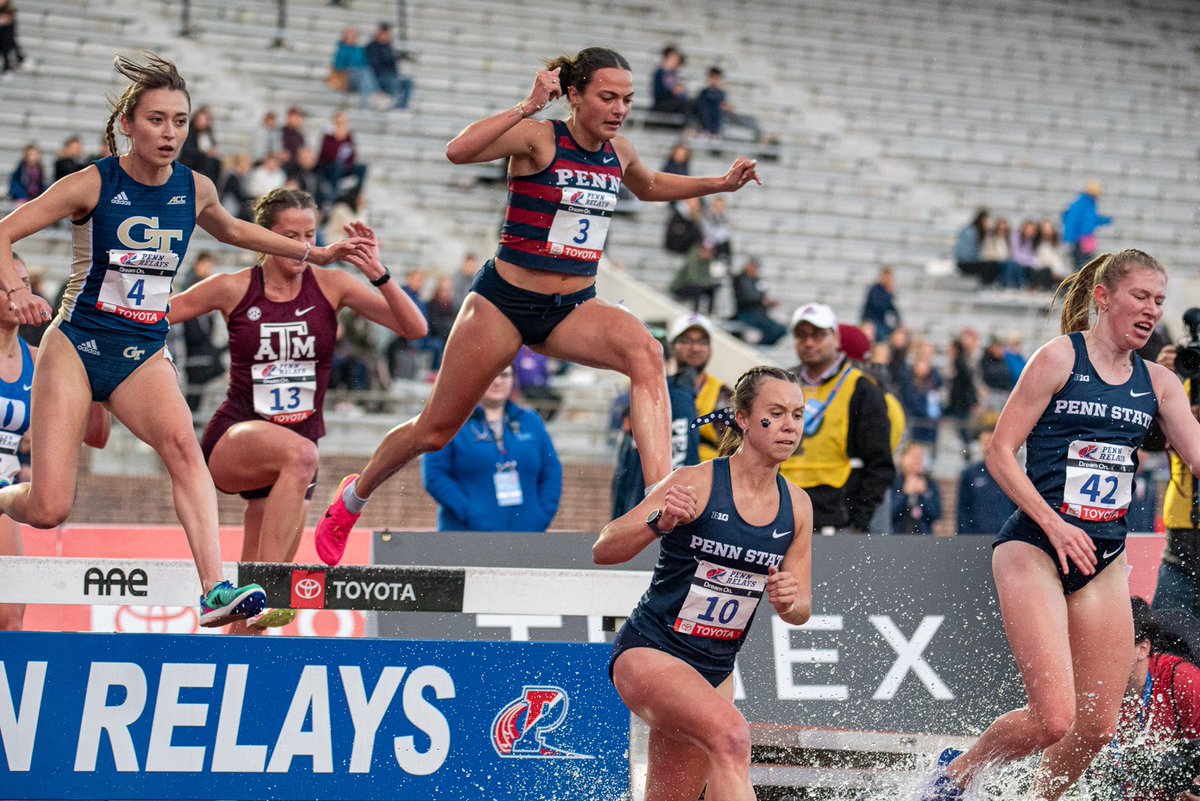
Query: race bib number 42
137,284
720,602
1099,481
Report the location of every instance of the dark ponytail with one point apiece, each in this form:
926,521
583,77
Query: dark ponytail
156,73
578,71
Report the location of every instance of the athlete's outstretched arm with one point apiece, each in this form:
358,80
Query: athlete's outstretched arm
509,132
390,306
648,184
212,217
680,495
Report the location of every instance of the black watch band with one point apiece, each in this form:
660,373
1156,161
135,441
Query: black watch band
383,279
652,522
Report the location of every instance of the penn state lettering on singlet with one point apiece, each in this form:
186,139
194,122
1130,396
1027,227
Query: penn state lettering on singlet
14,416
557,219
711,577
1104,425
127,251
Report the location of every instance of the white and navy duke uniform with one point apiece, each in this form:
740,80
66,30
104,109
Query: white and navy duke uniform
127,251
1082,455
711,577
14,417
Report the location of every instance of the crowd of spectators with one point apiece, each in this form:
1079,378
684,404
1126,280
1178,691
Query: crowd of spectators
708,114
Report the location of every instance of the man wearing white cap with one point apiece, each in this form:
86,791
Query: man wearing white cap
691,343
844,460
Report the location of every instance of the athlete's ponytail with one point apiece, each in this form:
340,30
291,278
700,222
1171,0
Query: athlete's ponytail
745,391
578,71
156,73
1108,270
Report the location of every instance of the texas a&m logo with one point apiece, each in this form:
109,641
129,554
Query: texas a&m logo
521,728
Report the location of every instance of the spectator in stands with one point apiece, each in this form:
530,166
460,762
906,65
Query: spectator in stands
102,152
683,226
500,472
680,160
669,96
982,505
753,303
200,150
337,165
916,499
879,306
232,186
716,113
202,361
292,138
1080,221
968,247
264,177
694,281
441,309
1052,267
996,253
691,345
350,58
70,158
268,139
303,174
923,397
996,374
714,226
1023,252
382,58
28,178
1014,355
10,49
533,382
962,399
844,461
353,353
464,277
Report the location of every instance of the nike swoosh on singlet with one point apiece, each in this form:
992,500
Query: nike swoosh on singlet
27,387
778,534
304,311
1133,394
607,159
1107,554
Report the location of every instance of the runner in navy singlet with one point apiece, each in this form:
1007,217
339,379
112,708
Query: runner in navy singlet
131,217
16,380
733,531
282,320
539,290
1081,408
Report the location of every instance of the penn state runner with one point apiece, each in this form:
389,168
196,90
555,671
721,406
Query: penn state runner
16,380
1081,408
131,219
732,531
539,289
282,320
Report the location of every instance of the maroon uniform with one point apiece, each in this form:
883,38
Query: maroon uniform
280,356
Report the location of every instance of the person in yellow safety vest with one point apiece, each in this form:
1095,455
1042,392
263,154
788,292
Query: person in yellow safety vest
844,460
1179,574
691,343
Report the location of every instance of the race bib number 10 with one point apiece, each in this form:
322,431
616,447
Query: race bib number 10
720,602
1099,481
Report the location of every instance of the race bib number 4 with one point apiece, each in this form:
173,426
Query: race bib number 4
137,284
1099,481
720,602
580,224
284,391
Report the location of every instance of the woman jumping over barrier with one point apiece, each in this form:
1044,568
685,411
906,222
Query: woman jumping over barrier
131,218
731,531
539,289
1081,408
282,321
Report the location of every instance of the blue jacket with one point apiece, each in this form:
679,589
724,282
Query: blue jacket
982,505
1081,219
461,476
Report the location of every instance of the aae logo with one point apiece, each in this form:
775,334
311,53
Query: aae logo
519,730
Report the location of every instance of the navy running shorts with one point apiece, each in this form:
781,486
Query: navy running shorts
535,315
1020,528
629,637
109,357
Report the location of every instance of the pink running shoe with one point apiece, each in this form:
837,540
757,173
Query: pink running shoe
335,526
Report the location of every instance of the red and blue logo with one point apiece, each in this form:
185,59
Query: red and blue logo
715,574
575,197
521,728
1088,450
129,258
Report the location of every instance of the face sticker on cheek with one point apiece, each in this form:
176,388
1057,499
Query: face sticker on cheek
765,423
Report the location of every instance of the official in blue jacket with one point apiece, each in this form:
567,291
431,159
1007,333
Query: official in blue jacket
500,472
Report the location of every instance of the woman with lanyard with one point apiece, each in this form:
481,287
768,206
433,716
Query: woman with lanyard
132,217
282,318
500,472
540,289
1081,409
17,358
730,531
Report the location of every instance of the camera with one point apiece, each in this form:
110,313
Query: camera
1187,356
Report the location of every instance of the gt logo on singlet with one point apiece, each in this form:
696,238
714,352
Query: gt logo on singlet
143,232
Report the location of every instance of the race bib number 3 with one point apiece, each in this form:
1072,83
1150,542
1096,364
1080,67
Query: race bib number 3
1099,481
720,602
137,284
580,224
284,391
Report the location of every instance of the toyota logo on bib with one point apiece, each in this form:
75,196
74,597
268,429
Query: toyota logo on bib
308,589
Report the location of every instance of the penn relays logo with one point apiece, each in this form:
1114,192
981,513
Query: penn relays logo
521,728
716,574
1086,451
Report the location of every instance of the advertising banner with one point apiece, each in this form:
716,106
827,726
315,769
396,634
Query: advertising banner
100,716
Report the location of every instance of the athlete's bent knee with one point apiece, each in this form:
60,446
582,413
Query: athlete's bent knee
1053,726
50,514
645,359
303,460
730,743
179,449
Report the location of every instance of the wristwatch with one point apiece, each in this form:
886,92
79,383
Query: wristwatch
652,522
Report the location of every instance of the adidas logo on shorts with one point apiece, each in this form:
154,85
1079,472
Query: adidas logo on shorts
90,346
121,199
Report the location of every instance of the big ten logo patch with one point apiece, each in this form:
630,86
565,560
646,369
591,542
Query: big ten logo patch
285,341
